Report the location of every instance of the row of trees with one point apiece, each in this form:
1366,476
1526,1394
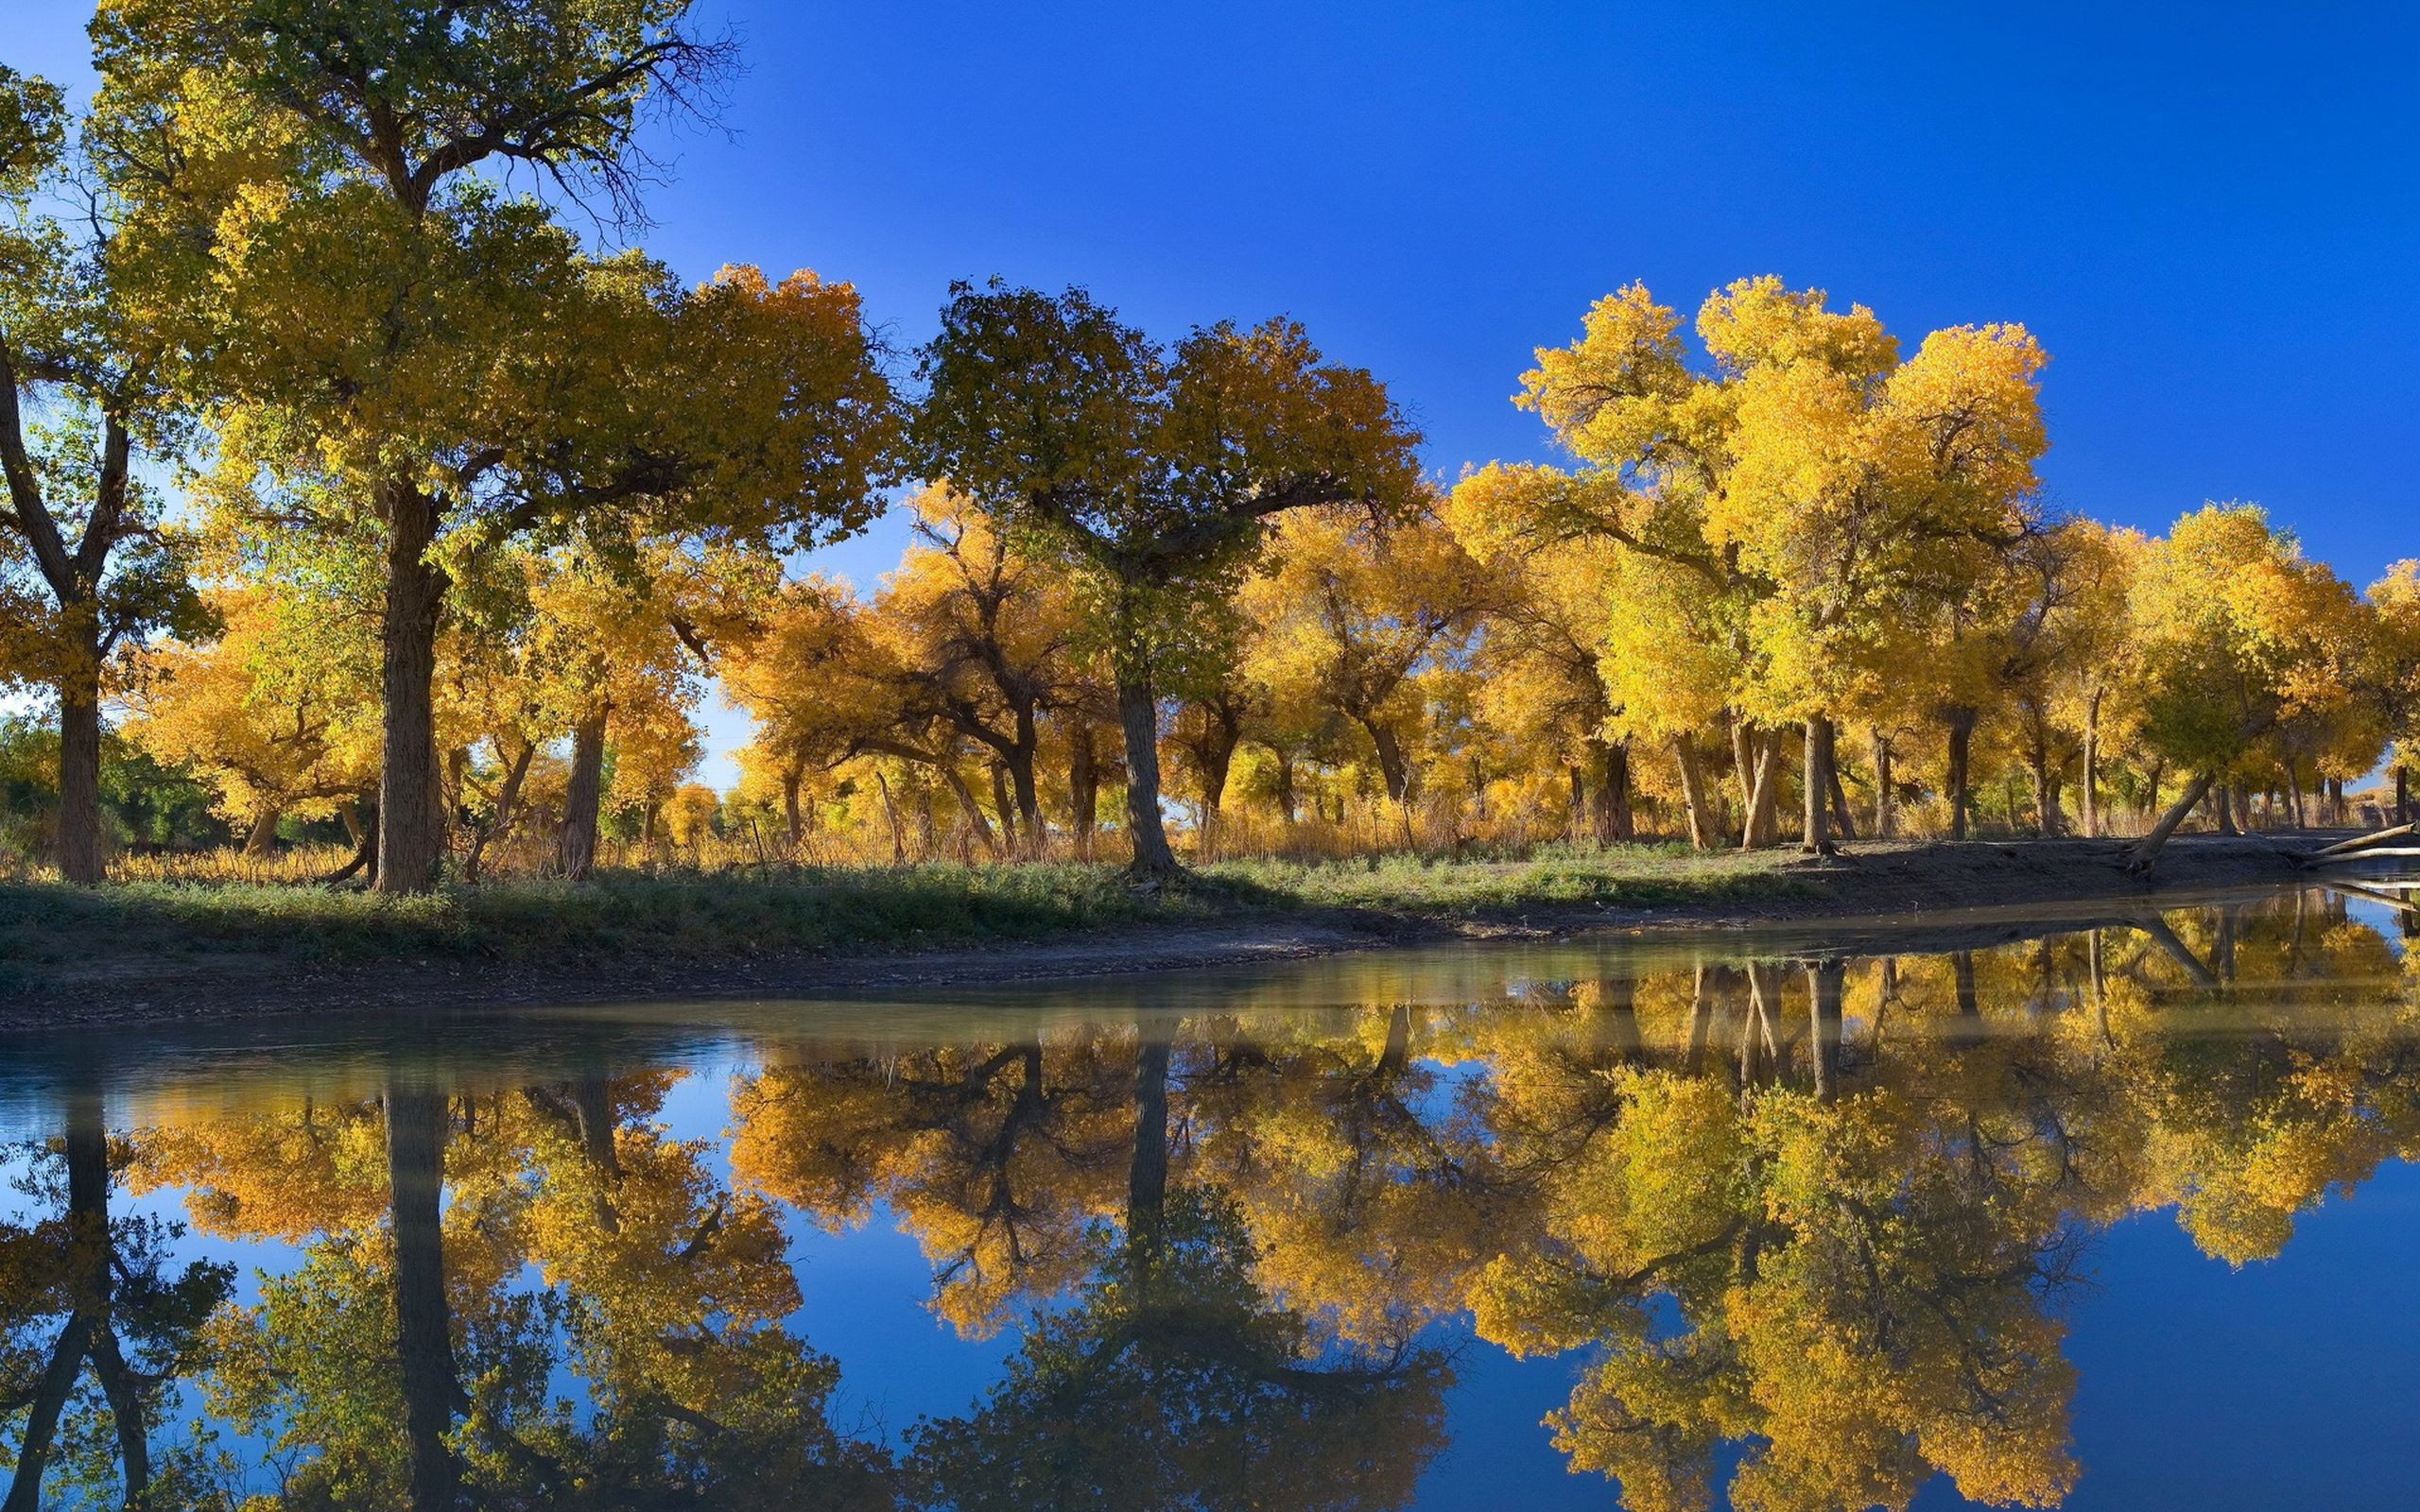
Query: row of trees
1806,1227
474,508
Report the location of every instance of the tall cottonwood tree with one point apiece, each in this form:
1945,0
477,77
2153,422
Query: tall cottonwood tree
1153,469
83,564
378,306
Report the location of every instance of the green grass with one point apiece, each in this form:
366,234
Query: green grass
46,927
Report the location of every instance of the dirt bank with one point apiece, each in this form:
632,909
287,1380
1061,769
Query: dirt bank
101,986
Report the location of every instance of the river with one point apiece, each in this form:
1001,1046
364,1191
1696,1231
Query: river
2098,1208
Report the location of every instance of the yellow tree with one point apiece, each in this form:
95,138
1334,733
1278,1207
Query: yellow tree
371,306
980,636
1153,469
1352,609
85,564
1811,485
270,714
2241,639
1543,656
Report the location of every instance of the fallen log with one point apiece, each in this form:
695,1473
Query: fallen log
2358,844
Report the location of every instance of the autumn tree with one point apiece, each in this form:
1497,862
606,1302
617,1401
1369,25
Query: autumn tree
269,713
2241,638
85,397
980,635
1352,608
379,310
1154,470
1813,484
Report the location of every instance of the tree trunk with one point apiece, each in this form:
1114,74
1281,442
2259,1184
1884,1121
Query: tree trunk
80,772
1815,837
2144,853
265,833
1843,820
1392,768
1138,719
794,818
424,1324
1881,784
1218,759
2402,796
1756,753
2222,809
411,818
1005,807
584,797
1823,982
1286,801
1083,787
891,812
2092,764
2046,810
1146,1170
1611,807
1579,780
1693,794
968,806
1962,740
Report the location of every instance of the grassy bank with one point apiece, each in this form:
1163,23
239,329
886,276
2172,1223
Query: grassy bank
47,930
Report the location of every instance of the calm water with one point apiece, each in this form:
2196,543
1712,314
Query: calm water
2097,1211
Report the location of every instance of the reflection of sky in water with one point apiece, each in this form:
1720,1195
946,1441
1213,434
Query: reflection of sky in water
2286,1383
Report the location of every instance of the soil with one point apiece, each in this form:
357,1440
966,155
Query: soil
1905,881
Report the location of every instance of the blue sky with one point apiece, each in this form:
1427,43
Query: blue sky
2209,214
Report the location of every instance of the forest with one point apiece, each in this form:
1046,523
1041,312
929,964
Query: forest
378,513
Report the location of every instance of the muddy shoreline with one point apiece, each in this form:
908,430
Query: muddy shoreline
1905,881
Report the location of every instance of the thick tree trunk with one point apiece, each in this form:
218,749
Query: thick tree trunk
1218,759
424,1323
1610,803
1083,788
1138,719
1392,768
1578,781
1843,821
1961,723
1881,784
1695,804
79,773
2144,853
1005,807
584,797
794,817
2222,809
1823,982
1027,789
1815,835
411,818
1756,753
1146,1170
263,837
1286,801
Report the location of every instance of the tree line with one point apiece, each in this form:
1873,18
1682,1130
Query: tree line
376,493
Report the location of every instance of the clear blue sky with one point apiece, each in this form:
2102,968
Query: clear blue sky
2208,214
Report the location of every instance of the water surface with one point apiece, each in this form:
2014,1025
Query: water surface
2102,1208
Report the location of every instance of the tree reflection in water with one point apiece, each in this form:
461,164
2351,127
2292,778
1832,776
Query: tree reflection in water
1806,1224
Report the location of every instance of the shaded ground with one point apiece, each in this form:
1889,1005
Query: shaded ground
168,953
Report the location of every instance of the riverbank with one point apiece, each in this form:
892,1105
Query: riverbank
182,952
